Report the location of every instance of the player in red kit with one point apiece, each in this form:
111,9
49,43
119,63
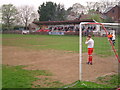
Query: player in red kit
90,43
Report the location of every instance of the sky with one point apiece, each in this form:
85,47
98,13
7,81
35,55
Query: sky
37,3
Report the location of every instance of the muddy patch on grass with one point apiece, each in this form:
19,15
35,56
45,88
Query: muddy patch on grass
64,66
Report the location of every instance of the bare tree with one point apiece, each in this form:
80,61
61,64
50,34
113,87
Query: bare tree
26,15
9,13
102,5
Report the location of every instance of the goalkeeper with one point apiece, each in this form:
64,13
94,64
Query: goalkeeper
90,43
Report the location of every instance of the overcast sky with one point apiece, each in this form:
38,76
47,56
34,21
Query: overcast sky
36,3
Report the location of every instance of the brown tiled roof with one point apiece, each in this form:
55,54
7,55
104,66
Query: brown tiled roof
61,22
85,16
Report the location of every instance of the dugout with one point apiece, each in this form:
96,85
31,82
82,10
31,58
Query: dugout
72,24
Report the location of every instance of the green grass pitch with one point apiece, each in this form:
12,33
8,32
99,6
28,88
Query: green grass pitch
68,43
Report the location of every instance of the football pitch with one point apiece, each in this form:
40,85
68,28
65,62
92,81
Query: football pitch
55,57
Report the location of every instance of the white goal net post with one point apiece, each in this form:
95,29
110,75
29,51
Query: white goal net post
98,29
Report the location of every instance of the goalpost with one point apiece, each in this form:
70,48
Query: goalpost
101,33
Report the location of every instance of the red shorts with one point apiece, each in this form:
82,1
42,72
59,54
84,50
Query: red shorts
90,51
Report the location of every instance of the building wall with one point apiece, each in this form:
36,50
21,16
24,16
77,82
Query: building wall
114,13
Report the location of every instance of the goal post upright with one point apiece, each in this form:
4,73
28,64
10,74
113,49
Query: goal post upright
80,50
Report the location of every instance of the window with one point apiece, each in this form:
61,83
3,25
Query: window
113,11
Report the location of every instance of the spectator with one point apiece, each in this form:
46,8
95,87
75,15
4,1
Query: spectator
110,36
113,39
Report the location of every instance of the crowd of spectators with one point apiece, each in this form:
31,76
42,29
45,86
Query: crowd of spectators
66,28
73,28
85,29
88,30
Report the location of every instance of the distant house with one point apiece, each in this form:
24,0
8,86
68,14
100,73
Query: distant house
88,16
72,16
75,10
113,12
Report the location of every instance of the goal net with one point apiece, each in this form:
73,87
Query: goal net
105,36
